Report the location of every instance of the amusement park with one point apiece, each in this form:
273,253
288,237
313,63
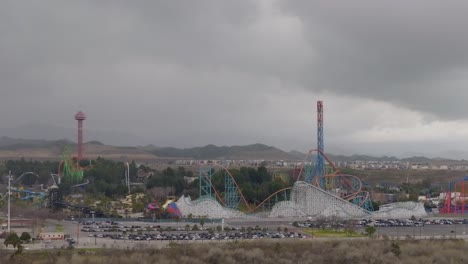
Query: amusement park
316,188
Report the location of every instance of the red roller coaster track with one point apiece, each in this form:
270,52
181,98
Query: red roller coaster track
353,191
249,208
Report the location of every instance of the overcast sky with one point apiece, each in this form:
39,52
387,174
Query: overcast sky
393,75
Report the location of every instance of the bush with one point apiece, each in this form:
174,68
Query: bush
370,230
25,237
12,239
395,249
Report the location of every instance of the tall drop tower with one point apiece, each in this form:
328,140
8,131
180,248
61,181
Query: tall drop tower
319,167
320,143
320,162
80,116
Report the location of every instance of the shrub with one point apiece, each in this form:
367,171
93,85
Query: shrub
12,239
25,237
370,230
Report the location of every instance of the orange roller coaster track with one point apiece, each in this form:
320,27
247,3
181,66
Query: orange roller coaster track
347,187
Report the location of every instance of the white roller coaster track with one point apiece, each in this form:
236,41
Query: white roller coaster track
306,201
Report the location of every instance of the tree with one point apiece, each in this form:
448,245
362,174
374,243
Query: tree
375,205
370,230
350,226
202,222
12,239
321,222
25,237
219,228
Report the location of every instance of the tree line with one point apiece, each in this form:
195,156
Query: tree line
107,178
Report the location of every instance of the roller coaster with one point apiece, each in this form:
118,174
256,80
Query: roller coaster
233,193
69,169
320,189
341,192
455,197
323,186
24,194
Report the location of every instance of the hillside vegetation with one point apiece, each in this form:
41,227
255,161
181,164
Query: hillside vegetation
356,251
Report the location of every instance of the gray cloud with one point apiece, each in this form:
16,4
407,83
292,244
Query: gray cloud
408,53
231,72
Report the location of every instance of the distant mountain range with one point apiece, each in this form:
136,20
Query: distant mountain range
13,148
249,152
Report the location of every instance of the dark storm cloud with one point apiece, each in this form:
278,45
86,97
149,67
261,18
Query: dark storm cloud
187,73
411,53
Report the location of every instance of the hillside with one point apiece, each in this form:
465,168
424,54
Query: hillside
53,150
39,149
249,152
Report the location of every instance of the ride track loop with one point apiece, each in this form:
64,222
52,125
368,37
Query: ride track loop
70,167
249,208
337,180
350,186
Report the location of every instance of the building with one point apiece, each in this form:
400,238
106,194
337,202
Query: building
51,236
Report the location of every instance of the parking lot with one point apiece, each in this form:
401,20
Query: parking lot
92,233
152,232
399,228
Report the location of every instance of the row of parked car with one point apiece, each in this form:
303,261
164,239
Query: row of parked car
113,227
200,236
380,222
410,222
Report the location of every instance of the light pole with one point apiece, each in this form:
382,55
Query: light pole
127,177
9,201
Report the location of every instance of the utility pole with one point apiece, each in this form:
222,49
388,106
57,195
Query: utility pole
127,175
77,231
9,201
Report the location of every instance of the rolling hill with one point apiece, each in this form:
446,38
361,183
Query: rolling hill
39,149
53,150
249,152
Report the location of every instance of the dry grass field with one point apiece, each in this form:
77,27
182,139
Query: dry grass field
310,251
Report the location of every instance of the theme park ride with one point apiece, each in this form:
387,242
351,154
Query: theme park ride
168,210
70,173
321,189
33,193
455,197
